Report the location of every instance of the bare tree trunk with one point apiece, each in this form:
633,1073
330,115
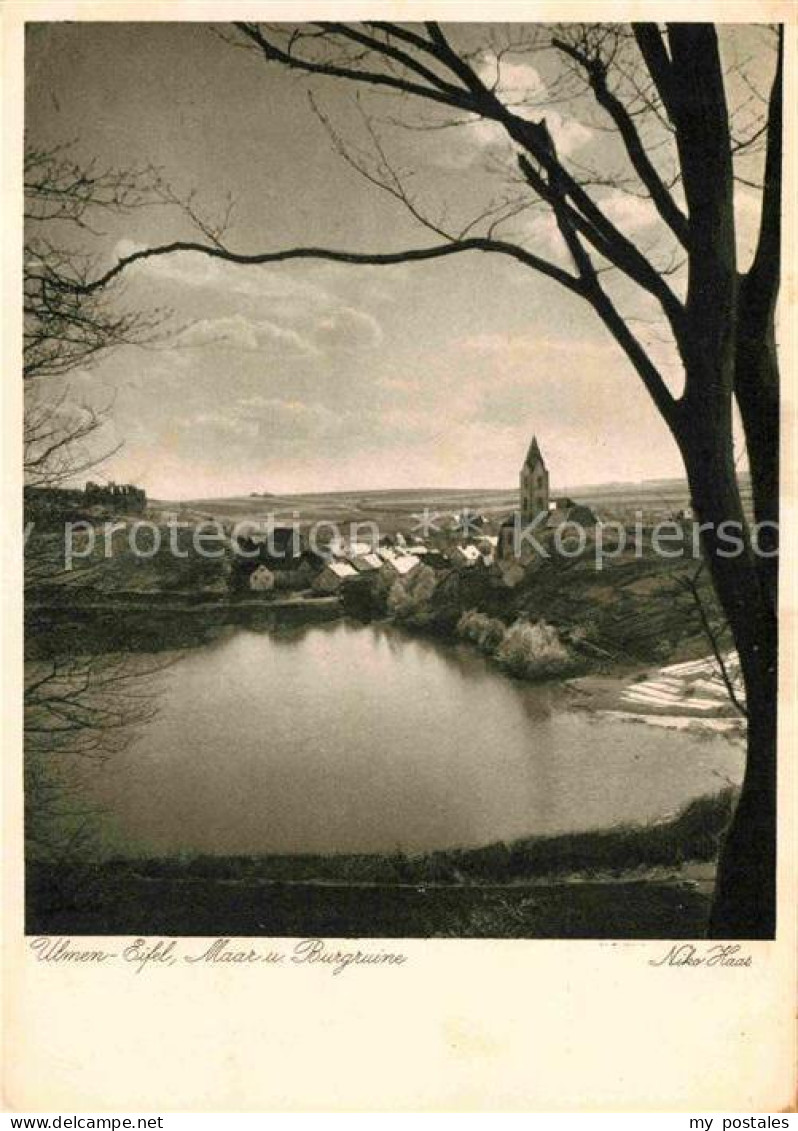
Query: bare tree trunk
756,378
757,392
726,319
747,587
744,906
745,896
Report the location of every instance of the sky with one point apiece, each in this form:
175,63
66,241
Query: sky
312,376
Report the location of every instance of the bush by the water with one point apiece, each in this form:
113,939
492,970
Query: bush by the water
533,651
484,631
409,599
529,651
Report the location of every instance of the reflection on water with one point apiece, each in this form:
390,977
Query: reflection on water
343,738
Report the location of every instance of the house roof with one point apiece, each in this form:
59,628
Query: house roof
358,549
364,563
342,569
405,564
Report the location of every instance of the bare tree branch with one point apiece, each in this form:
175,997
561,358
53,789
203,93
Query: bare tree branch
474,97
375,78
597,72
764,272
331,255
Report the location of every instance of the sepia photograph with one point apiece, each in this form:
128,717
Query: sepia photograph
401,480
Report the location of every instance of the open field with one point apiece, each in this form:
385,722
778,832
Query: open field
391,510
394,510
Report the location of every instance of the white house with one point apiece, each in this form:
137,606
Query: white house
464,557
333,576
400,567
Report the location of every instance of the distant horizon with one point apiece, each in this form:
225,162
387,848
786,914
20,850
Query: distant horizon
566,490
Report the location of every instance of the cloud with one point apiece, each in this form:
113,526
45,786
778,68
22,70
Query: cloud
273,421
632,215
542,234
342,330
568,134
527,346
303,317
290,419
223,423
239,333
403,385
347,330
518,82
554,384
629,213
514,80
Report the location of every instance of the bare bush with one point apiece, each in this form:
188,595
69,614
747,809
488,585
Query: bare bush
484,631
533,651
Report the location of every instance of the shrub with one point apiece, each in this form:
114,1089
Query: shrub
533,651
410,598
484,631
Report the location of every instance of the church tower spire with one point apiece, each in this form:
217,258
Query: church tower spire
533,456
534,484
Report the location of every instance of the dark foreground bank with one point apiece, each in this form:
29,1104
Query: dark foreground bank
635,882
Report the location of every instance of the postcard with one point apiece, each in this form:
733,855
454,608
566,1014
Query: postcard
399,627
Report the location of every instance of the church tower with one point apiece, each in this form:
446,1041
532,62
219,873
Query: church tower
534,484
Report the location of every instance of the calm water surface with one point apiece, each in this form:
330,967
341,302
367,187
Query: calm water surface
343,738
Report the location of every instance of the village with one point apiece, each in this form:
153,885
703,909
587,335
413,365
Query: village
436,562
275,561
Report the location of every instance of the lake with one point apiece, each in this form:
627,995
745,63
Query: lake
348,738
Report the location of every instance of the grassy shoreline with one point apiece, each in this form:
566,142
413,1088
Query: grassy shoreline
627,881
